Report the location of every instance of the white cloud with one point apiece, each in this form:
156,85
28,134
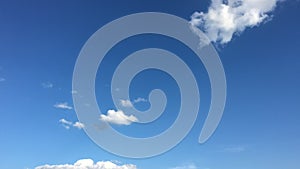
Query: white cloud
190,166
88,164
126,103
139,99
63,106
74,92
118,117
226,18
47,85
67,124
78,125
2,79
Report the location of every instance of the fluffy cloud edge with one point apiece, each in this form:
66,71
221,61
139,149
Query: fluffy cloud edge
118,117
226,18
88,163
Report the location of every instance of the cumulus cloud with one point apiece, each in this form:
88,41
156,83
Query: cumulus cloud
63,106
226,18
118,117
47,85
67,124
88,164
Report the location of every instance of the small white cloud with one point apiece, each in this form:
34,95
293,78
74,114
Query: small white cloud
65,123
139,99
74,92
2,79
126,103
63,106
78,125
88,164
226,18
47,85
118,117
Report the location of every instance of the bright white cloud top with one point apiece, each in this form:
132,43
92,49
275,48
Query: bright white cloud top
227,18
88,164
118,117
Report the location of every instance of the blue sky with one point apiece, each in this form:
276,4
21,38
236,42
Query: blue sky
39,45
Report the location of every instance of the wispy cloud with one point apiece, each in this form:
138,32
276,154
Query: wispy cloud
63,106
47,85
226,18
67,124
78,125
118,117
139,99
2,79
126,103
88,164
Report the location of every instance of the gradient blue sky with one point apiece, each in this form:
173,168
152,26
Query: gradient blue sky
39,44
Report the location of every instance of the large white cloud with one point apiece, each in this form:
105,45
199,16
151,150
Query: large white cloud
118,117
226,18
88,164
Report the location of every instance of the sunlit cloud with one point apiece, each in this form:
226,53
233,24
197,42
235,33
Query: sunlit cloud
118,117
88,164
226,18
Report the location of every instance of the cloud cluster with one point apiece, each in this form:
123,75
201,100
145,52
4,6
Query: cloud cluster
118,117
63,106
67,124
88,164
226,18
